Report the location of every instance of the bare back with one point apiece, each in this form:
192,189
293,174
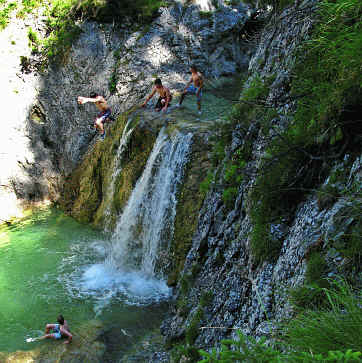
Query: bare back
164,92
196,77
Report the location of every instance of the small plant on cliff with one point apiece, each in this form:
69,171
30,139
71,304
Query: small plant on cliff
329,335
6,8
327,85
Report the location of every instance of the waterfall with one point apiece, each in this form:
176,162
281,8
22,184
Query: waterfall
127,267
146,225
117,168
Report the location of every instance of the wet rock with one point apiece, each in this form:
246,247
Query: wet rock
84,348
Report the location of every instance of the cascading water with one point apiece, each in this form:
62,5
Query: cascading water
126,266
146,224
117,168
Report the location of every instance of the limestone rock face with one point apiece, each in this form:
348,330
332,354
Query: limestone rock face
46,132
243,294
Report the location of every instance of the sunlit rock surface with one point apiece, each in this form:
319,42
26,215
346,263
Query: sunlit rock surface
46,132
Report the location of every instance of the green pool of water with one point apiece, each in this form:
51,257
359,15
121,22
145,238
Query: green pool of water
50,264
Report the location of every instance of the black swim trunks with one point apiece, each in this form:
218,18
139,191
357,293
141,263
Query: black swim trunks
159,103
104,115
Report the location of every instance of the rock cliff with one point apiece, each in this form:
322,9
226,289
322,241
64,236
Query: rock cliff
223,279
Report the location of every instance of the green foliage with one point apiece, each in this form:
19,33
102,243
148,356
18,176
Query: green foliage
27,7
192,330
256,91
232,2
182,307
205,14
229,195
244,349
337,328
312,295
63,17
180,352
186,283
327,196
325,83
206,298
335,356
316,268
262,244
308,297
114,76
34,41
6,8
353,245
329,335
207,182
330,68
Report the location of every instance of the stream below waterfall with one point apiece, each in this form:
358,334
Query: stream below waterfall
50,264
109,286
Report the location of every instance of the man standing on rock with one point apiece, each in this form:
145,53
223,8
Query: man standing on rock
195,89
165,96
102,116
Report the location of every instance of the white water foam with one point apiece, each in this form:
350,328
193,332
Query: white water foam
124,268
146,225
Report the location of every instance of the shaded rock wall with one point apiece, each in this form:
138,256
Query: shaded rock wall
52,132
221,284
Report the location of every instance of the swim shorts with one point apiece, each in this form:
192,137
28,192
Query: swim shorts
104,115
193,90
56,331
159,103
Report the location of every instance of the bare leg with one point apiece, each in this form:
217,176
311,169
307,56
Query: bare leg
99,125
182,97
199,105
48,327
46,336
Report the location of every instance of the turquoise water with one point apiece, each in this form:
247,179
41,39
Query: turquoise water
50,264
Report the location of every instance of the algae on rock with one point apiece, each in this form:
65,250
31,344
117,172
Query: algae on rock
85,190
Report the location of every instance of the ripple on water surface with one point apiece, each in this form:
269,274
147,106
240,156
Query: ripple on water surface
50,264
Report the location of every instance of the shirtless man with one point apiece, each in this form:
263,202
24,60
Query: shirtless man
165,96
61,329
195,89
102,116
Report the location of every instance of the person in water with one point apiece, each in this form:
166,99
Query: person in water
195,88
103,115
164,99
59,330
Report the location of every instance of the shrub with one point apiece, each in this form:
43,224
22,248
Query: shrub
338,327
316,268
310,297
6,9
192,330
325,84
206,183
329,335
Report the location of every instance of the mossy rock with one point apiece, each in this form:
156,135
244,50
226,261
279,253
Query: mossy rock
190,199
86,196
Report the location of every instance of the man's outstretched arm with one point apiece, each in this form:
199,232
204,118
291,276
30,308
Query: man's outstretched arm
149,97
68,335
82,100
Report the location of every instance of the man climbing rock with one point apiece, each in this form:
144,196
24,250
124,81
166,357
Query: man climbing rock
165,96
195,88
102,116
